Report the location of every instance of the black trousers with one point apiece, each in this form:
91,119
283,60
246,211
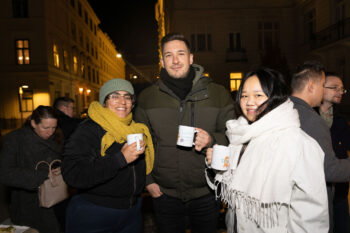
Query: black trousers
174,216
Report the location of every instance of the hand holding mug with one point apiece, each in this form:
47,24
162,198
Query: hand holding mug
131,153
203,139
209,156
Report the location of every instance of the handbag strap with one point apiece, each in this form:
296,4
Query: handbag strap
48,164
40,162
50,175
53,162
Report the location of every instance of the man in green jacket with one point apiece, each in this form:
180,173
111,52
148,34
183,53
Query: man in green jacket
183,96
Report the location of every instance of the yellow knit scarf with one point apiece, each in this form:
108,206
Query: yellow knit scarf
117,130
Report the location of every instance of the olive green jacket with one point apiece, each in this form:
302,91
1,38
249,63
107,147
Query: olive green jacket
180,172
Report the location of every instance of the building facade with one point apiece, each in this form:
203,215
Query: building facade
230,38
51,48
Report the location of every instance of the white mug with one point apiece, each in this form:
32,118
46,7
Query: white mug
136,137
220,158
186,136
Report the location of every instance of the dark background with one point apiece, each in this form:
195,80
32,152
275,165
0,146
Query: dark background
132,27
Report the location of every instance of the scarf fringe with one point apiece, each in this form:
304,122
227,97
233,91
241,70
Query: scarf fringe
264,215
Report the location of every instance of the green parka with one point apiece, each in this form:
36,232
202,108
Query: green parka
180,172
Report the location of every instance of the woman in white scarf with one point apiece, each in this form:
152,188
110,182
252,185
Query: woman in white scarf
275,181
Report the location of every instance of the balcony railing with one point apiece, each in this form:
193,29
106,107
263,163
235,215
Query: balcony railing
336,32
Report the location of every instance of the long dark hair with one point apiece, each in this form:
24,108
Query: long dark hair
274,86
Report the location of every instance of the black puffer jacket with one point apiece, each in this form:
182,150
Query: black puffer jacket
22,149
108,181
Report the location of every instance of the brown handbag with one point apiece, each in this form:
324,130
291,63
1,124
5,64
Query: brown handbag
54,189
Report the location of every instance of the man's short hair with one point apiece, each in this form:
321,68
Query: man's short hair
62,101
174,36
308,70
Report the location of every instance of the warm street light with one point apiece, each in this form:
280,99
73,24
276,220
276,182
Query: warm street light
118,55
88,91
81,90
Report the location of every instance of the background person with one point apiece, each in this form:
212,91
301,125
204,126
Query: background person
66,115
307,93
183,96
108,173
22,149
333,92
275,181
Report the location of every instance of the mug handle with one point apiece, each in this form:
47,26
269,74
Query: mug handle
195,131
138,144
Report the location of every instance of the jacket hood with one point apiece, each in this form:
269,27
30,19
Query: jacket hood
199,73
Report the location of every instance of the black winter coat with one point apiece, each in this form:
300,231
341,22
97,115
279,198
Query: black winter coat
67,124
108,181
341,144
22,149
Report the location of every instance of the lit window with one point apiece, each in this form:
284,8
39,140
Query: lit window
56,57
22,50
235,81
75,65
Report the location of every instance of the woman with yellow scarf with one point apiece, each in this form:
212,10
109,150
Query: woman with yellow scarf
108,173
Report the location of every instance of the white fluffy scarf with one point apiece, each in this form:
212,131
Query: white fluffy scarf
261,183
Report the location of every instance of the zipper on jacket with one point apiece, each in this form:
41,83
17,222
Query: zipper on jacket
133,192
181,105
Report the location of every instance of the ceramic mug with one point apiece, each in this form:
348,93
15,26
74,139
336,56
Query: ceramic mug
186,136
137,137
220,158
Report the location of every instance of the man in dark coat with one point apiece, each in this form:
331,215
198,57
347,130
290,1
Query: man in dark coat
66,121
183,96
307,92
333,92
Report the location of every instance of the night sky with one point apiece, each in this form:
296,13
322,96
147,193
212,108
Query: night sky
132,27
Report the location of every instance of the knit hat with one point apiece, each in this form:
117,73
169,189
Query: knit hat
112,85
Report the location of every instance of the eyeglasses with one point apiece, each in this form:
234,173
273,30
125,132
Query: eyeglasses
337,89
116,97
